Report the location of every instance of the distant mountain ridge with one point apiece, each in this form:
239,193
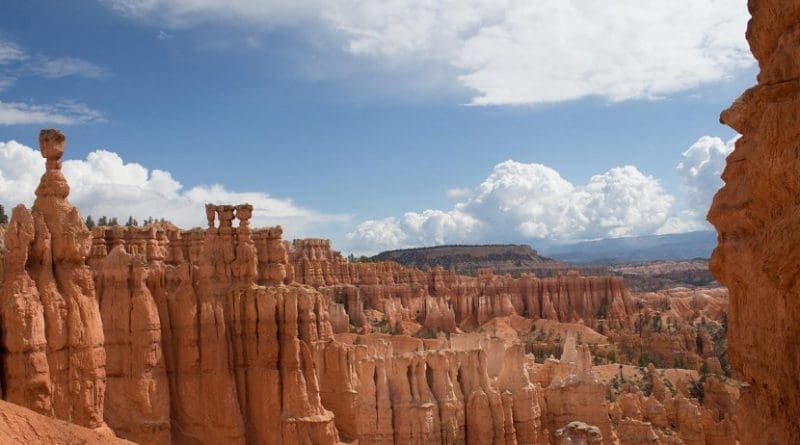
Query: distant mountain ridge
589,257
679,246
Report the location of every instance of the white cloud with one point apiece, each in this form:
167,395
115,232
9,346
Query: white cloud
104,184
18,60
67,66
513,51
61,113
179,13
530,201
458,193
10,52
17,63
686,221
377,235
701,169
520,201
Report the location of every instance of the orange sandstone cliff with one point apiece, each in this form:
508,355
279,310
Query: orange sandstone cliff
757,214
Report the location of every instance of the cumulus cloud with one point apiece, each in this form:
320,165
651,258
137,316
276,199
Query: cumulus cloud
61,113
700,170
513,51
458,193
519,201
104,184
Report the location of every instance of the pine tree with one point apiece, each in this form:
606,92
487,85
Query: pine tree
3,216
90,222
113,222
131,222
103,221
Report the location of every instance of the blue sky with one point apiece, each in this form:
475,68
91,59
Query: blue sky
351,116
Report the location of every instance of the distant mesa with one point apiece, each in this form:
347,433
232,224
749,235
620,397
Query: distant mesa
514,259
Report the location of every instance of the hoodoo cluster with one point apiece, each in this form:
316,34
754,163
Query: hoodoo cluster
232,335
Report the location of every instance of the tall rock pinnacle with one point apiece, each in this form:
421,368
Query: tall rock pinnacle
50,315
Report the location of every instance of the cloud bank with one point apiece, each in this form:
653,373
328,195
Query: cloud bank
530,201
520,201
511,51
104,184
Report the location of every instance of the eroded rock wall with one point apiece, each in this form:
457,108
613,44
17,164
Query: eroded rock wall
209,355
757,214
444,301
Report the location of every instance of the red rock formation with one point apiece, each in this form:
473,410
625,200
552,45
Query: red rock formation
575,393
209,339
51,320
756,215
461,302
19,425
397,389
137,400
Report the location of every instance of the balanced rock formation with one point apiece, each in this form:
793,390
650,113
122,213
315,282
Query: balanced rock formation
756,215
52,331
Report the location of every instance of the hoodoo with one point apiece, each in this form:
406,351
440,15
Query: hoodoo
229,334
52,329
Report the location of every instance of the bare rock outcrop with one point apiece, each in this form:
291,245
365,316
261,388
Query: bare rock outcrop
579,433
575,393
444,301
137,399
202,333
19,425
756,215
51,319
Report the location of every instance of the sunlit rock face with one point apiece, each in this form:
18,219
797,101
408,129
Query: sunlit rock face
757,214
228,334
52,331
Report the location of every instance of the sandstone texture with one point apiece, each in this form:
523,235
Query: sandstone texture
52,332
20,425
230,334
756,214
